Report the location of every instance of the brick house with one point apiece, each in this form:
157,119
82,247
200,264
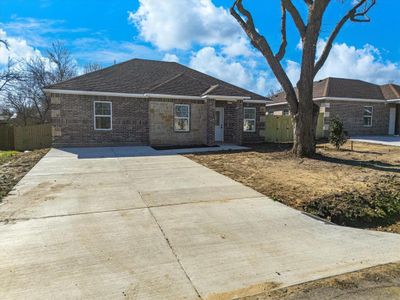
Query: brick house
144,102
364,108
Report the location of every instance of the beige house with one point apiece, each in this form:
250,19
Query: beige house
144,102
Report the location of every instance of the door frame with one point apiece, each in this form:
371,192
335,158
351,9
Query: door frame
222,125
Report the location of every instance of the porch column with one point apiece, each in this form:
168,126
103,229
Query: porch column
210,134
239,122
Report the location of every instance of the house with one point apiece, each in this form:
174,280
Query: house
364,108
145,102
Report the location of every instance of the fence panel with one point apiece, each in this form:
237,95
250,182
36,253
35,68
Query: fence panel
279,129
6,137
32,137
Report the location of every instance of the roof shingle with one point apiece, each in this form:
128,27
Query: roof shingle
138,76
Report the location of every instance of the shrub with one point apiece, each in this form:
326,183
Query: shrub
337,135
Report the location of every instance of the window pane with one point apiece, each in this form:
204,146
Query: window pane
103,123
181,111
181,124
102,108
249,125
249,113
367,111
367,121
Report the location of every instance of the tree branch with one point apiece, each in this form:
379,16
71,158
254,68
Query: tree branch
259,42
282,49
298,21
5,43
352,15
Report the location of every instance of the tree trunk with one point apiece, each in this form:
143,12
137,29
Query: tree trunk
305,122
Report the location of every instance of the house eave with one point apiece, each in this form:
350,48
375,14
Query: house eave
339,99
152,96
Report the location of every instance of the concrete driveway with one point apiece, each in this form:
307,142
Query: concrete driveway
109,223
382,140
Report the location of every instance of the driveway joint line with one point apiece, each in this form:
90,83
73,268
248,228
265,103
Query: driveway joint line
175,254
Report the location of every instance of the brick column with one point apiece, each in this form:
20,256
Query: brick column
210,134
239,123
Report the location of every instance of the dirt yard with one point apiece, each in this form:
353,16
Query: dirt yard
382,282
14,165
358,188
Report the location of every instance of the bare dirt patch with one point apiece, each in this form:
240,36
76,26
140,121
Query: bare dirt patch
366,174
382,282
14,167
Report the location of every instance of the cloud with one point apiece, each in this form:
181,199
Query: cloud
346,61
181,24
18,49
171,57
239,73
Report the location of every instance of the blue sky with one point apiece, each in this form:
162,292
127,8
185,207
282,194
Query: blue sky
200,34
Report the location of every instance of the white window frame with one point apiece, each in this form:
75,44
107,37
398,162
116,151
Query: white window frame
184,118
371,116
286,112
107,116
245,119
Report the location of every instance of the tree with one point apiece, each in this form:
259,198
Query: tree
303,110
25,96
91,67
9,75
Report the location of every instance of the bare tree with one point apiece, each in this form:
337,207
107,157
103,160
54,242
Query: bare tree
9,75
303,110
25,96
4,42
91,67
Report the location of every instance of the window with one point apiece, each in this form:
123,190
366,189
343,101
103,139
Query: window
182,117
102,115
368,111
270,113
286,112
249,122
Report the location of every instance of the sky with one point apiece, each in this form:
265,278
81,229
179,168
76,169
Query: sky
200,34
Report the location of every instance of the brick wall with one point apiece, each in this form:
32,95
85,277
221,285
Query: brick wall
161,124
73,121
351,114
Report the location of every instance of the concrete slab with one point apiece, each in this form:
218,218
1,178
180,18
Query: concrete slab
119,255
124,222
382,140
233,248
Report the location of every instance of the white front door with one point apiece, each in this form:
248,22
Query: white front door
219,124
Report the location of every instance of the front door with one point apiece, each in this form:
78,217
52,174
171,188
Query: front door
219,124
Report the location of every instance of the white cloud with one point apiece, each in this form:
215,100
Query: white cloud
18,49
170,57
180,24
346,61
208,61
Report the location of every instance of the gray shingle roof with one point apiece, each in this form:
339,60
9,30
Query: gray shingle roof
349,88
139,76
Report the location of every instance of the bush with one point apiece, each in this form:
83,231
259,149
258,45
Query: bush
337,135
380,206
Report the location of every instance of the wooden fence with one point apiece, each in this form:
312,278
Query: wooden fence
279,129
25,137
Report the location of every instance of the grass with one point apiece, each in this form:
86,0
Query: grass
6,156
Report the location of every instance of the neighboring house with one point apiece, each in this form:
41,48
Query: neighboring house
365,108
144,102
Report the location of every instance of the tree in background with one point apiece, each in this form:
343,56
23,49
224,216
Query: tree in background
25,96
91,67
303,110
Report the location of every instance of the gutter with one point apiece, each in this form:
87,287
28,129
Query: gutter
340,99
150,95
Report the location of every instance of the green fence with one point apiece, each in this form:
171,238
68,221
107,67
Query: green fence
279,129
25,137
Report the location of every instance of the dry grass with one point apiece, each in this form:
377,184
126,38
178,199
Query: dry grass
271,170
14,166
